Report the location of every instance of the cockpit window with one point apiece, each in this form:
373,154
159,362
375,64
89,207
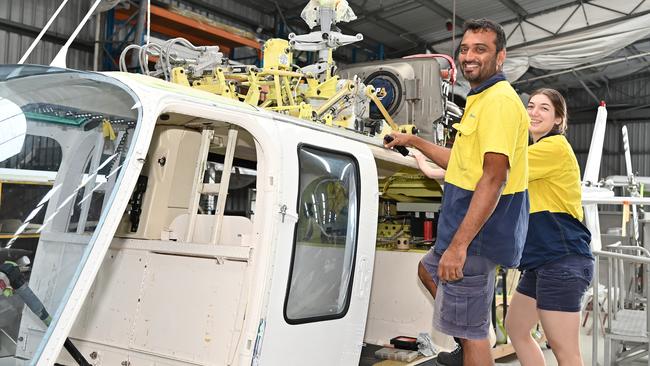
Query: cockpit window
65,137
325,241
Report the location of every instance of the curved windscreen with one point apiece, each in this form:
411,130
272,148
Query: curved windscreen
65,137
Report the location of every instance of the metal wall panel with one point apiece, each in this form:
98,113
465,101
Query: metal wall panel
34,14
613,162
630,90
21,20
628,100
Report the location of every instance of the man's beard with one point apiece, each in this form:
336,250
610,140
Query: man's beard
482,74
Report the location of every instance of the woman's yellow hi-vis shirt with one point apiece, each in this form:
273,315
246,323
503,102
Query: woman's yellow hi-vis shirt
554,228
495,121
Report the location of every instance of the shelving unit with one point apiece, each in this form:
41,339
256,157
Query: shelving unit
171,24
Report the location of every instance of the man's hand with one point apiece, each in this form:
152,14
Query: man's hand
438,154
451,264
399,139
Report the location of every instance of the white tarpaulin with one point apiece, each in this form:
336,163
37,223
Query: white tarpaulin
13,127
566,52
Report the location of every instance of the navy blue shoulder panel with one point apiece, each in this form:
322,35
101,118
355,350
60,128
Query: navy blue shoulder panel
552,236
502,237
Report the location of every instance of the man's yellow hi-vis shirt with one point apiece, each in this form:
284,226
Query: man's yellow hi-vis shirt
495,121
554,229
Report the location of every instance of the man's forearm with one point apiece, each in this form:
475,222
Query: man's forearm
484,201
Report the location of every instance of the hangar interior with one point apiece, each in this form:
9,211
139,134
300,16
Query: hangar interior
592,51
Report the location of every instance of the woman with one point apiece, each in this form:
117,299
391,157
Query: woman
557,263
425,168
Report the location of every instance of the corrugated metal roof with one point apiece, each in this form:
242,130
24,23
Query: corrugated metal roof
468,9
535,6
418,20
374,5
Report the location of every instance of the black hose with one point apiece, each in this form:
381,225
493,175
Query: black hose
18,282
74,352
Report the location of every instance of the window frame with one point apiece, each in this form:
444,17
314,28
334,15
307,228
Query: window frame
348,298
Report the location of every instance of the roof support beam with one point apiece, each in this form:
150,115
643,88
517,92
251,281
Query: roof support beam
566,20
574,31
513,31
608,9
387,11
539,27
584,85
384,23
441,11
514,7
637,6
295,9
555,35
517,20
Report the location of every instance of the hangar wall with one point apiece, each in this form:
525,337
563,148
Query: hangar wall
628,103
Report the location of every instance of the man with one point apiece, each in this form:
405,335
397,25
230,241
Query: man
484,214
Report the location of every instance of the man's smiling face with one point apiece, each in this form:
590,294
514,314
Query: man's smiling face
479,59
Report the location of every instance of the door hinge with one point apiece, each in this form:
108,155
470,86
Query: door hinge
284,212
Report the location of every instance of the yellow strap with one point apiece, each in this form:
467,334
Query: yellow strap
108,130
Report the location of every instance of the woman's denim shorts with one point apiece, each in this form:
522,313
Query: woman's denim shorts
558,285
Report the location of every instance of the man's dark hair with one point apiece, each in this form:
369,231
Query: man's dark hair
487,24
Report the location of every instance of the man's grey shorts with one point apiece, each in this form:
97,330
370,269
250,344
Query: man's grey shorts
462,308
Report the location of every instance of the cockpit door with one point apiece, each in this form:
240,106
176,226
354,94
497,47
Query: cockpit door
324,251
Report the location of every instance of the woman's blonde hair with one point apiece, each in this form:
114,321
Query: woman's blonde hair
559,104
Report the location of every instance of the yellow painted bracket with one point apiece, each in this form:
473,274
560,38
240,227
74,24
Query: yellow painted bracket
277,91
217,84
370,92
221,81
253,95
342,123
327,88
277,54
328,119
306,112
179,76
410,129
318,90
346,90
288,91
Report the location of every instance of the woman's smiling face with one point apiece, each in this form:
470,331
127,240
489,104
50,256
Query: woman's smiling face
542,116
